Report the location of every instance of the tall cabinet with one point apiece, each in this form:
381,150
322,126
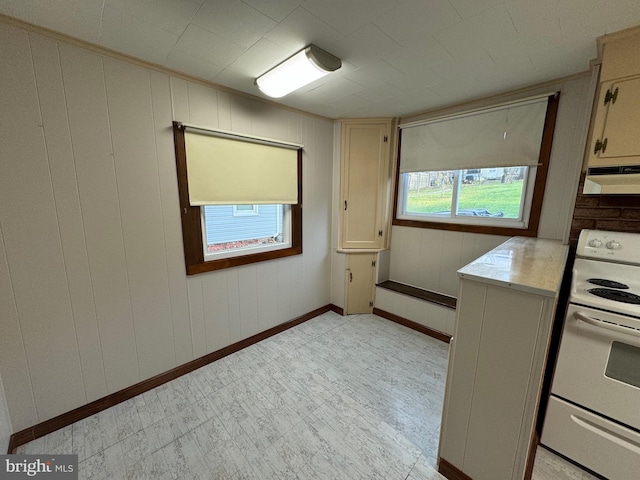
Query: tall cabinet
367,149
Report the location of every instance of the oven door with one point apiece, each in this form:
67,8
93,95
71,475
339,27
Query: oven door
598,365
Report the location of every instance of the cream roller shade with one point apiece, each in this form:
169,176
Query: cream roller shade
501,137
223,170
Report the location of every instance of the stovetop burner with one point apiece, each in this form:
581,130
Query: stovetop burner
616,295
607,283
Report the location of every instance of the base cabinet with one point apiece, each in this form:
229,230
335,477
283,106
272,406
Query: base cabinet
496,363
360,283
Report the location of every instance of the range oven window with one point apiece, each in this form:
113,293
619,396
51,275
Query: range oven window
624,364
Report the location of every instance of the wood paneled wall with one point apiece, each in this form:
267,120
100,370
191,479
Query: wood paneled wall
93,291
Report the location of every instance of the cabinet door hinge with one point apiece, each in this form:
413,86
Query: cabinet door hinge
379,233
373,263
371,304
611,97
601,146
386,138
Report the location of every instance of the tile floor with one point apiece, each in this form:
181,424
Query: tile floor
334,398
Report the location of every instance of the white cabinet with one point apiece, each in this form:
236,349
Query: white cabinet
360,283
498,353
616,121
366,183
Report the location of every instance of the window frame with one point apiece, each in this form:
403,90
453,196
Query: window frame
191,219
536,202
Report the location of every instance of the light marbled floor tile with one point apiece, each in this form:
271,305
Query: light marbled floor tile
127,419
149,408
423,470
60,442
549,466
333,398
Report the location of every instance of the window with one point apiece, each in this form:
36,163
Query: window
497,158
234,230
483,196
240,199
244,210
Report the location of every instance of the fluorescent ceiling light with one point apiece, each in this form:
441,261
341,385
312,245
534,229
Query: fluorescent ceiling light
309,64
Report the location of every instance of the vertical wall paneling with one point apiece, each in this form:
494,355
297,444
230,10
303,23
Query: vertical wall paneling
131,117
428,267
268,293
216,311
224,110
451,255
182,113
203,105
33,247
233,302
248,291
574,113
46,62
174,254
13,358
94,295
241,118
196,313
5,421
85,92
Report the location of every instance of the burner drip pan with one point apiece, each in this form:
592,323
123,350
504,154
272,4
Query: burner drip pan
616,295
601,282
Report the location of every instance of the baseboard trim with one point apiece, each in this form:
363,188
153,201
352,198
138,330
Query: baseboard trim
337,309
451,472
446,301
65,419
413,325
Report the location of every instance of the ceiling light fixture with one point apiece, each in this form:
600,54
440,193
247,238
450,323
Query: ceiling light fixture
309,64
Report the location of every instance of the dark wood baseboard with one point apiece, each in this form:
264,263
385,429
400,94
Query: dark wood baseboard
65,419
441,299
337,309
451,472
413,325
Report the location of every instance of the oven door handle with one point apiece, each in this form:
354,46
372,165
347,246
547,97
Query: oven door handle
606,325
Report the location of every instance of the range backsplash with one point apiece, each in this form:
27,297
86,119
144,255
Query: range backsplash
604,212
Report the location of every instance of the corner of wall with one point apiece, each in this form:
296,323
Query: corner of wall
5,421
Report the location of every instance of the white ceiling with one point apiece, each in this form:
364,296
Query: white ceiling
399,56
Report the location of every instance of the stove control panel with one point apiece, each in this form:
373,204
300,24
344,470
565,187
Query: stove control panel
612,246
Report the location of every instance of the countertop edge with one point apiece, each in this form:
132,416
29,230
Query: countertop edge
490,269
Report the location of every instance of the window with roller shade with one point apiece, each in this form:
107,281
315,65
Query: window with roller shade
240,198
480,171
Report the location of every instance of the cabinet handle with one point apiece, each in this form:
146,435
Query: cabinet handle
350,277
600,146
345,205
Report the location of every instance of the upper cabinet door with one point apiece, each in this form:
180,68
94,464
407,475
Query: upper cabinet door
365,170
622,122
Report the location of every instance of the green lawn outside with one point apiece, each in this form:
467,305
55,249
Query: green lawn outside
494,196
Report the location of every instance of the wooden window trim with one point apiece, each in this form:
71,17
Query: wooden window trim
538,188
192,222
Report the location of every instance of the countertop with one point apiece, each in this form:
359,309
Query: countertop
533,265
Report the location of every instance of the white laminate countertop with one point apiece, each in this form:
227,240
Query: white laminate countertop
533,265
